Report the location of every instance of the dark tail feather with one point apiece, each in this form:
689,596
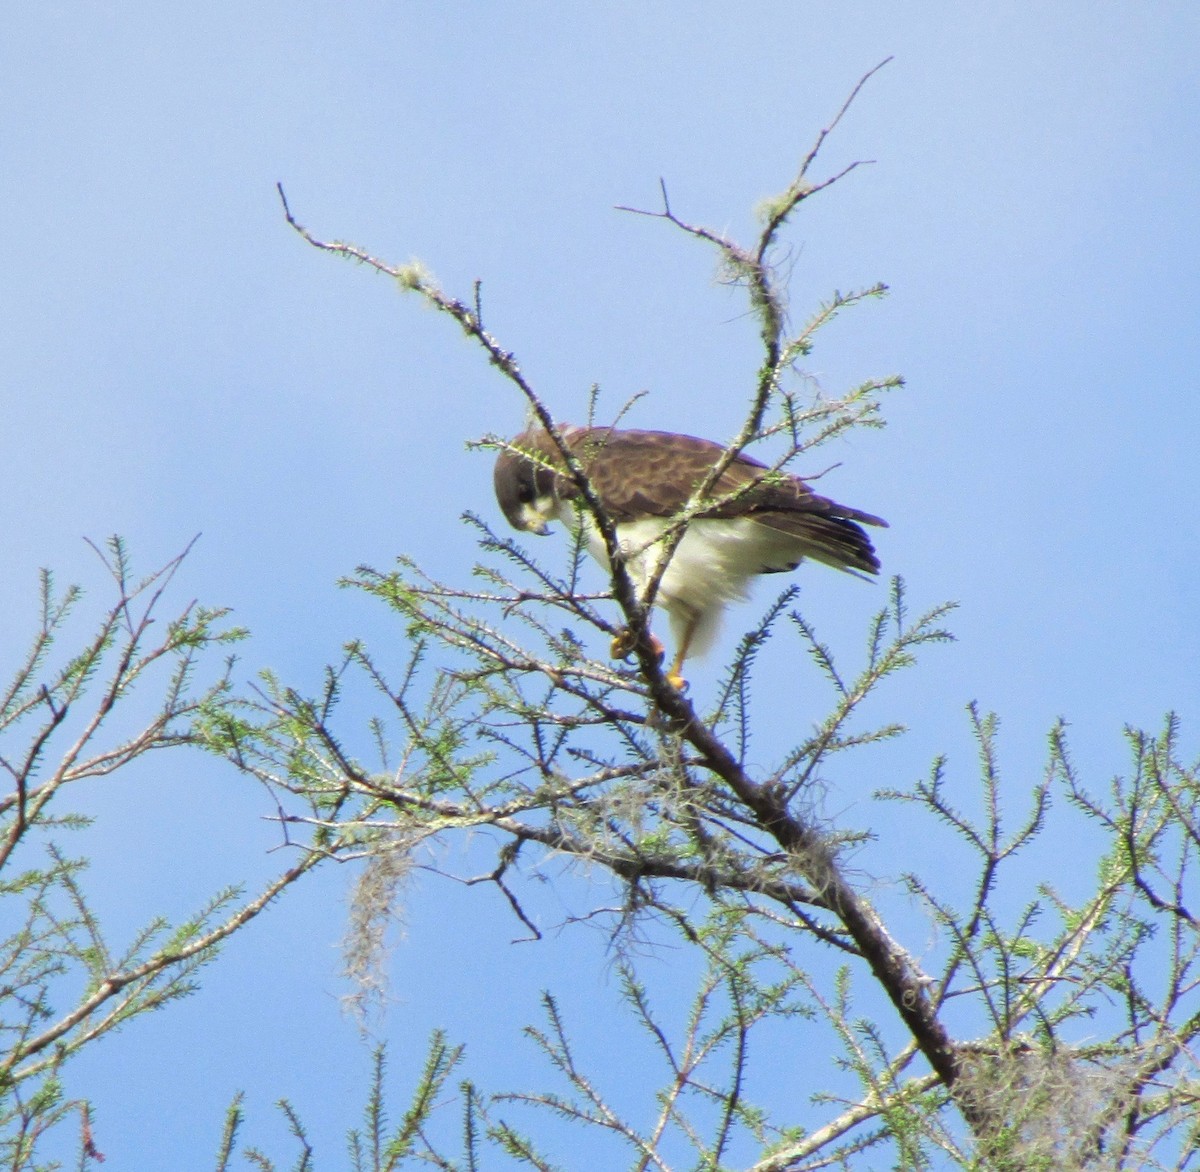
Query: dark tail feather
836,541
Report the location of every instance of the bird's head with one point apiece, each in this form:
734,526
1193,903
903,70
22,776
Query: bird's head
525,488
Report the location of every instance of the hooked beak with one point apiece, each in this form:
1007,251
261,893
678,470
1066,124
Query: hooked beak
534,520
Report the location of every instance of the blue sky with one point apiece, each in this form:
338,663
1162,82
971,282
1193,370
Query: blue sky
173,361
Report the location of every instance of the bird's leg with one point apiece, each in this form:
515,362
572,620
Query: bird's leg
674,678
625,640
675,675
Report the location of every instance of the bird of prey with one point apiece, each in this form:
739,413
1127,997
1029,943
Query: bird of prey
755,520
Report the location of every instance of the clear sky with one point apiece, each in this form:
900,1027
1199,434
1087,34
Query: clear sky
174,360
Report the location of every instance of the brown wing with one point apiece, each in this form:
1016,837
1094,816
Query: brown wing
642,473
654,473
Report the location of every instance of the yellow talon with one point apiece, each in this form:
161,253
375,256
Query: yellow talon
625,640
622,647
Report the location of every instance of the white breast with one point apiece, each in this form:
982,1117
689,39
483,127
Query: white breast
711,567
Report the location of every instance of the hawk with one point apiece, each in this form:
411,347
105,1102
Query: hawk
759,521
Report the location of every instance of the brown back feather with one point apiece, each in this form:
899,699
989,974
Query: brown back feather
654,473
